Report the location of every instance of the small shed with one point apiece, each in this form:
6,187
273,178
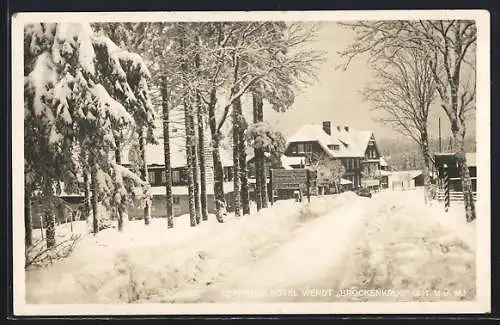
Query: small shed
346,184
447,163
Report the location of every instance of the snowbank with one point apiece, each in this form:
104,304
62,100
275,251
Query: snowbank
147,263
414,252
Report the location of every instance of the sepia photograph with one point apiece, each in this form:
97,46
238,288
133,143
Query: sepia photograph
251,162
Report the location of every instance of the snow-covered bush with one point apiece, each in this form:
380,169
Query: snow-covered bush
262,135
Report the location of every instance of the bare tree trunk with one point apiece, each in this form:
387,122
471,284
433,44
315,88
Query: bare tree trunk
218,169
122,204
196,168
263,181
94,198
258,170
144,171
458,139
87,192
202,164
426,157
50,230
236,160
201,147
261,157
189,165
166,151
28,224
245,199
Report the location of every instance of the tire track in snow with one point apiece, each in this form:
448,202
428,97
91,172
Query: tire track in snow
308,257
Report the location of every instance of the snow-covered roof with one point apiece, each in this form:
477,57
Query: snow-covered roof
385,173
292,161
470,157
183,190
313,132
155,155
344,181
405,174
351,143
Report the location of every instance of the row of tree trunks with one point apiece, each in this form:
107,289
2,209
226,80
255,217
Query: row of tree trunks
201,147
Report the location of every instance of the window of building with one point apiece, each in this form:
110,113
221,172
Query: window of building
176,176
309,147
300,147
176,200
163,178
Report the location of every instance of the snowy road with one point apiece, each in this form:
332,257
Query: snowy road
288,252
314,253
390,243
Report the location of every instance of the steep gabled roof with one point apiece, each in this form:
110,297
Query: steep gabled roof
313,132
352,143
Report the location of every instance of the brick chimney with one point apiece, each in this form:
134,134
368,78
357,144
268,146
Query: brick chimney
346,128
327,127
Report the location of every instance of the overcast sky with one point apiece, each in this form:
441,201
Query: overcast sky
336,97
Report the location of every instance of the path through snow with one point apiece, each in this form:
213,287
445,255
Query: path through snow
310,254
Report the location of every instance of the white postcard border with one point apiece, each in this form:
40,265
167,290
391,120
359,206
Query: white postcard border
483,277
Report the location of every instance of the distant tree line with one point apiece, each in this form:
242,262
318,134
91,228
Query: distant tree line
404,154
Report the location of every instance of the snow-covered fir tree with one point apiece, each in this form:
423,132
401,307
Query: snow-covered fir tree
71,110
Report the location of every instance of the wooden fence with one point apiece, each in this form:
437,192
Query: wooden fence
454,195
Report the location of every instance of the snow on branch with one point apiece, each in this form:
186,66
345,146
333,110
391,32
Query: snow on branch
107,106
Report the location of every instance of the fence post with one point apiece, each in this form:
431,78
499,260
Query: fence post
446,190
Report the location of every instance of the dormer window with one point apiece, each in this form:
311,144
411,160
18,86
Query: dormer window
334,147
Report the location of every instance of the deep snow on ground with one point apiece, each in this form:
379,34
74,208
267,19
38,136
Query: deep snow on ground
392,241
414,252
153,263
309,254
